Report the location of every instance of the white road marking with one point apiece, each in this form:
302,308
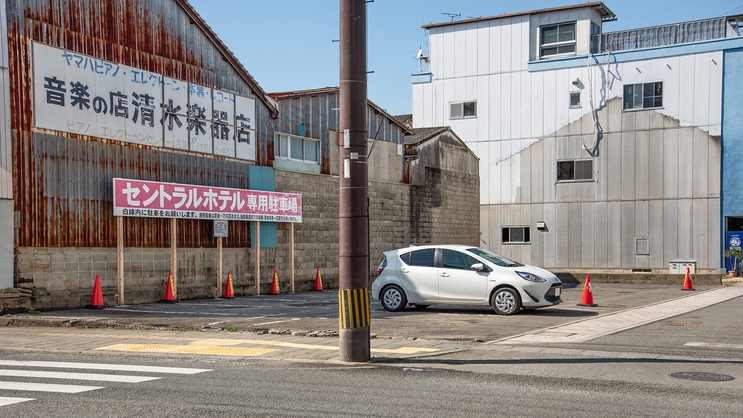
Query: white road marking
76,376
96,366
9,401
276,322
715,345
588,329
46,387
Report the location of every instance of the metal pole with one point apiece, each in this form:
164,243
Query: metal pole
120,256
219,266
174,255
291,257
257,258
353,294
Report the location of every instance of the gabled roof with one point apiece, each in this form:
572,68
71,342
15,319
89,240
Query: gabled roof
598,6
421,135
282,95
229,56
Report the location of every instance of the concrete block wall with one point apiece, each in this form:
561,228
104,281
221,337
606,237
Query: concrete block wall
445,211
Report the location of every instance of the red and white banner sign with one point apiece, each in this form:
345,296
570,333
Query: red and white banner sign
155,199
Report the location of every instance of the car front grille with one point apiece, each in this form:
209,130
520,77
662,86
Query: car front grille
550,295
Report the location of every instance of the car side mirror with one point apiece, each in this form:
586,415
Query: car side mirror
478,267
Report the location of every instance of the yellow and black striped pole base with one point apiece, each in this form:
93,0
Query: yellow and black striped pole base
354,315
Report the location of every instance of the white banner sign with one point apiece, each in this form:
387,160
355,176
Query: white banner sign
83,95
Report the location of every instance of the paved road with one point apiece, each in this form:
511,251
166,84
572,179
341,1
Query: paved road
617,359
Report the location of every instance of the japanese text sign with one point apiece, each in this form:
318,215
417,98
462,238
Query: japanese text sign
155,199
83,95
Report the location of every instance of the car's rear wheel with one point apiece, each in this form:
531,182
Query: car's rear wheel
393,298
505,301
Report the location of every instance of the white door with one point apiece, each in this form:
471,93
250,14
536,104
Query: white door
418,275
458,283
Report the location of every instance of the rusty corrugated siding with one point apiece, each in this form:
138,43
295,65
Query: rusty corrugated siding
63,182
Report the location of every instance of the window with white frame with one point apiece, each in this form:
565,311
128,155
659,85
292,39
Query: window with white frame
556,40
643,96
459,110
575,170
515,235
297,148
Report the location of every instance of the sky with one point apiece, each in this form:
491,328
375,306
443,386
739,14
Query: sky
288,45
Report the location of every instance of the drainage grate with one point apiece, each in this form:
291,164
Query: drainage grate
702,376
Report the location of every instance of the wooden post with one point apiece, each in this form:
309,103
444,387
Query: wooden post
120,256
219,266
257,258
173,256
291,257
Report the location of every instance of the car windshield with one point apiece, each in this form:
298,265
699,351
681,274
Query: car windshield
494,258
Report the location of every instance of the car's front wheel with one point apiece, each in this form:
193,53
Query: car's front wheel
393,298
505,301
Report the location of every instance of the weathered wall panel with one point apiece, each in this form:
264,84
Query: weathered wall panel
65,200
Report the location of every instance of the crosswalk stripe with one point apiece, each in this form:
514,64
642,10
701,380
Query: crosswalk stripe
46,387
96,366
76,376
9,401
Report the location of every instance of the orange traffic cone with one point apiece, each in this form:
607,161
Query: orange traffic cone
96,302
170,291
587,293
687,281
318,281
275,290
229,292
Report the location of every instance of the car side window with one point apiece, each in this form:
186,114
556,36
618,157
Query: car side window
456,260
423,258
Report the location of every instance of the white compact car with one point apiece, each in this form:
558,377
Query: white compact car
461,275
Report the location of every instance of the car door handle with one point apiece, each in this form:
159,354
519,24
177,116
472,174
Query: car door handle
405,270
444,274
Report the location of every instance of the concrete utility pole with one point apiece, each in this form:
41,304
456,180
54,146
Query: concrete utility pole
353,295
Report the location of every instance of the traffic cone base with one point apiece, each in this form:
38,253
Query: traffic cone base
96,301
229,292
587,294
318,281
170,291
275,290
687,281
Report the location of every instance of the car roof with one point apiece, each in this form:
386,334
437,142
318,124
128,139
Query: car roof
423,247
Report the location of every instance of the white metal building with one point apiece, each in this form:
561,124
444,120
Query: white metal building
598,151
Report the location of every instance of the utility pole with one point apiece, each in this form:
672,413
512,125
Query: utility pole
353,294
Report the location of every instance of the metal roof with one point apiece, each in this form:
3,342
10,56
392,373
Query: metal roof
598,6
283,95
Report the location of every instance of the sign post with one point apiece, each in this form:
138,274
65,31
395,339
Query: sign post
154,199
220,230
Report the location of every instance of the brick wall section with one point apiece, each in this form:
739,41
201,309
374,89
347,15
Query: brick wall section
443,212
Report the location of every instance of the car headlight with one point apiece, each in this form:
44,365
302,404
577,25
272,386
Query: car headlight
530,277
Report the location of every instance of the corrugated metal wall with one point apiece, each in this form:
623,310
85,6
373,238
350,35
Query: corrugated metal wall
319,113
6,161
64,191
656,171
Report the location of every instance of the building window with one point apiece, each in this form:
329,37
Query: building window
643,96
575,99
575,170
296,148
461,110
557,40
595,38
515,235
